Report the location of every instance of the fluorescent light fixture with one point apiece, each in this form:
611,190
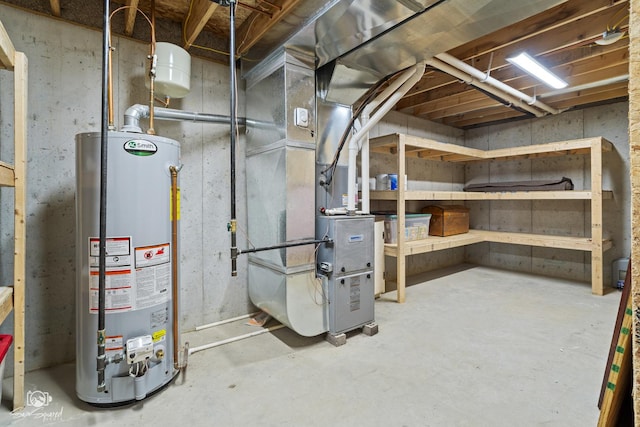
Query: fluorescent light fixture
537,70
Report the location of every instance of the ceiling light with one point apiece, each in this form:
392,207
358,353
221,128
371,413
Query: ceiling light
610,37
537,70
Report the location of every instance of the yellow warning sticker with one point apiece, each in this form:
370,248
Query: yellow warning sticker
159,335
171,205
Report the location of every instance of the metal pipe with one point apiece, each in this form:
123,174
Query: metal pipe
136,112
104,139
174,266
283,245
414,73
453,71
592,85
484,78
234,339
233,111
224,322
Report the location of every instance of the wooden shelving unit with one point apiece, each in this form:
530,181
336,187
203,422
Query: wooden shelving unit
12,297
406,146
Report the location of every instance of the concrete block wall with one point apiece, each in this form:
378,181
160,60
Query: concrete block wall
65,99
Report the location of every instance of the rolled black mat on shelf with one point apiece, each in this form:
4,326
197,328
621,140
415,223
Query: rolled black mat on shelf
562,184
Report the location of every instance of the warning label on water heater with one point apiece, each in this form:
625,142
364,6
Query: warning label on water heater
135,278
153,275
118,274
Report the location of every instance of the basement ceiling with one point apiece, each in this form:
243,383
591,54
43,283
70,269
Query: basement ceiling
563,38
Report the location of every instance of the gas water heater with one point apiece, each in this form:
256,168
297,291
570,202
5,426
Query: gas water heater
138,279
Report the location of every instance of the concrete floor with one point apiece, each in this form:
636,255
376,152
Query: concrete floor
474,347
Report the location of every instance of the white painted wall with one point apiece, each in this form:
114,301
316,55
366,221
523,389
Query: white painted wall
65,99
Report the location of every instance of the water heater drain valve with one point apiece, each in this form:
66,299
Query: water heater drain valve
139,349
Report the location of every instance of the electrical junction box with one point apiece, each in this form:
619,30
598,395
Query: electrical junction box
139,349
301,117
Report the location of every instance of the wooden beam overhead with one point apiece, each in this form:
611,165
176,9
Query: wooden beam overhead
257,25
201,12
55,7
130,16
567,13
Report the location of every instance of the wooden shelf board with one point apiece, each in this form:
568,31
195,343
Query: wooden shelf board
434,150
7,176
435,243
6,302
469,195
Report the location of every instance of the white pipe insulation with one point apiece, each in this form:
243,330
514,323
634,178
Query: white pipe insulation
482,77
386,101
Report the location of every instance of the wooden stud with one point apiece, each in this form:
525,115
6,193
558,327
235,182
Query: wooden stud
401,258
130,16
597,284
20,229
55,7
201,12
634,159
256,26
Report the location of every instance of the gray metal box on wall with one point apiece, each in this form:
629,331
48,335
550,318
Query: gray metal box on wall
348,267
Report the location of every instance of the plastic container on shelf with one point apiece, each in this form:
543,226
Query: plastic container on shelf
416,227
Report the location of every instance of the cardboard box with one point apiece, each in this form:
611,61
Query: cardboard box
447,220
416,227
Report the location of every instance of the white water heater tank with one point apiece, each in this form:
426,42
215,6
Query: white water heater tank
138,279
173,71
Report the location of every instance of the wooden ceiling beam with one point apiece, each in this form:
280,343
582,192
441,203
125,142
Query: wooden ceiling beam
130,16
589,96
254,27
201,12
416,99
562,15
467,101
487,116
576,35
611,57
55,7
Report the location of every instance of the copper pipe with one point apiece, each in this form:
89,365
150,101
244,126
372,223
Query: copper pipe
110,83
255,9
174,265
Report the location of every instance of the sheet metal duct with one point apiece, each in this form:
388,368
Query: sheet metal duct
370,39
